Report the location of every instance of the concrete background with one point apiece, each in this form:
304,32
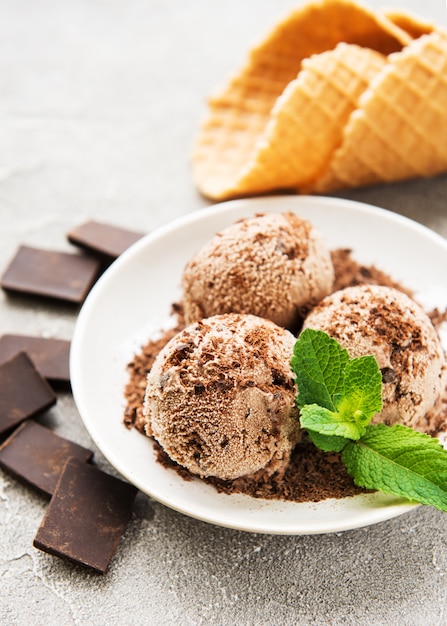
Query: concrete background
99,103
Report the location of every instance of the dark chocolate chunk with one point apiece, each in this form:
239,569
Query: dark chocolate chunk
86,517
51,274
36,456
106,240
388,374
23,392
50,356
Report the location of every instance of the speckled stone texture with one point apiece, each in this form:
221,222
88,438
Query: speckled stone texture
99,103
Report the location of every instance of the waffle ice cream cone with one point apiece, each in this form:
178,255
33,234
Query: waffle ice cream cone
398,130
409,23
231,155
307,120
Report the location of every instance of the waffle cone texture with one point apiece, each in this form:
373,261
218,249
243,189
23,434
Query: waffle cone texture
335,96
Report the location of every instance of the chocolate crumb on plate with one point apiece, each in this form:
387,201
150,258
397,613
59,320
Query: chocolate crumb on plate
138,370
349,272
51,274
312,476
23,392
106,240
50,356
86,517
36,456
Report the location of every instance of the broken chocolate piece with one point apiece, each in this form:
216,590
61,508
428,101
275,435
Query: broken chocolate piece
50,356
103,239
51,274
86,517
23,392
36,456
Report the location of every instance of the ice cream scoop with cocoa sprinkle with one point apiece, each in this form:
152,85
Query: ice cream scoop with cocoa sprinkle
220,397
371,319
274,265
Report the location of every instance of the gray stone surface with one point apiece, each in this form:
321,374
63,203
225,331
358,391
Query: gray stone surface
99,103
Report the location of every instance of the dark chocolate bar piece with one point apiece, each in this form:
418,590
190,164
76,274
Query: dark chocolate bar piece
23,392
86,517
51,274
106,240
50,356
36,456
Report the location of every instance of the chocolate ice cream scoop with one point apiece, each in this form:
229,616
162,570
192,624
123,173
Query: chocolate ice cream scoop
220,397
371,319
273,265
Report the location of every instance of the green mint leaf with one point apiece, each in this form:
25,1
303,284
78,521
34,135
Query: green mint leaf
361,395
337,396
318,362
399,461
320,420
327,443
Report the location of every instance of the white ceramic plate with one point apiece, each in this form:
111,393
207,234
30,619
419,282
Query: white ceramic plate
133,299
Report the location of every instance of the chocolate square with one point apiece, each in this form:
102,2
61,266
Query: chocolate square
105,240
36,456
50,356
23,392
51,274
86,517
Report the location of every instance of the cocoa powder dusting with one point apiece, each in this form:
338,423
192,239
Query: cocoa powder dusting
349,273
138,370
312,475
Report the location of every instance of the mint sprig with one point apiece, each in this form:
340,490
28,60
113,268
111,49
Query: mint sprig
338,397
